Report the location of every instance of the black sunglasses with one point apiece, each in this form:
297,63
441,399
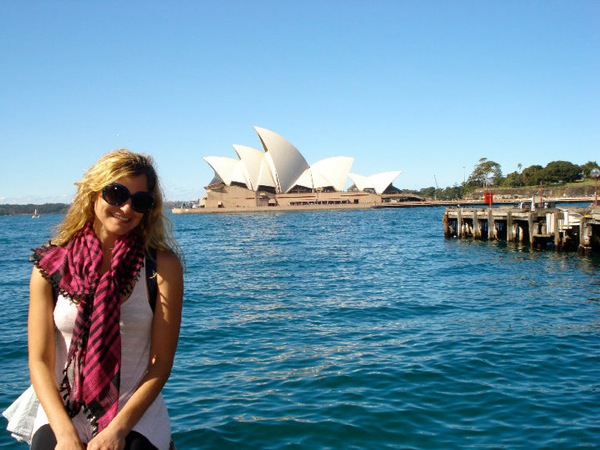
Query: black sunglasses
116,194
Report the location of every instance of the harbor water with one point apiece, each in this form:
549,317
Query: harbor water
359,330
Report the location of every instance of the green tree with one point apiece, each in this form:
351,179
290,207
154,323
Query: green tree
532,175
513,179
485,173
452,193
428,192
561,172
585,168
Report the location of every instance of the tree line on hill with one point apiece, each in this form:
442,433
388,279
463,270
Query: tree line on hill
48,208
29,209
488,174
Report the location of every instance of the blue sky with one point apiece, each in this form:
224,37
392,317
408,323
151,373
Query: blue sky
425,87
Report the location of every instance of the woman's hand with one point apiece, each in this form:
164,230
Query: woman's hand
107,439
69,441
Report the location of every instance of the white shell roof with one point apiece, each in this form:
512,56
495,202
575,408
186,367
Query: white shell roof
378,182
306,179
332,172
360,181
286,162
255,167
228,169
282,166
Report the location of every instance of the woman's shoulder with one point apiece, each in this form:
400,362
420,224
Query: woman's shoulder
168,261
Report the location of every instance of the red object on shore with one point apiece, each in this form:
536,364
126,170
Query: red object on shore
488,198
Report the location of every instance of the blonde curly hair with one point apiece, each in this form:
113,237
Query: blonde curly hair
155,228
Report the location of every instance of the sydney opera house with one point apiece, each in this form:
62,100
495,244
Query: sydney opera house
278,176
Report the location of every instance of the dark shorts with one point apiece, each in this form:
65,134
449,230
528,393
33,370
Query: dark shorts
44,439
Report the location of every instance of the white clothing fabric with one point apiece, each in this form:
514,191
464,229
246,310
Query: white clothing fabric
136,328
21,416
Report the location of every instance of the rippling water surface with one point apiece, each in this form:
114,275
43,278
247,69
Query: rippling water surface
360,329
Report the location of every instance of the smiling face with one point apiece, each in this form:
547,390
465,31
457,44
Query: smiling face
110,221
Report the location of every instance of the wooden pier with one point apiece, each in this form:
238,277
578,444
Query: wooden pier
565,228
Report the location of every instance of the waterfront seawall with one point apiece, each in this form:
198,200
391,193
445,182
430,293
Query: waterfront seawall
358,206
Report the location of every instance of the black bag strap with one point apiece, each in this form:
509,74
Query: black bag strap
55,294
151,280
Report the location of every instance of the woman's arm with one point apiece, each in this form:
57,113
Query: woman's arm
41,361
165,335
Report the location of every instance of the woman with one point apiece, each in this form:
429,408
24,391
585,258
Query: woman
99,355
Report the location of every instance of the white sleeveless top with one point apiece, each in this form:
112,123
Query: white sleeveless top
136,327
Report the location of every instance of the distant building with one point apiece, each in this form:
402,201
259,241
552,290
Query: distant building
280,176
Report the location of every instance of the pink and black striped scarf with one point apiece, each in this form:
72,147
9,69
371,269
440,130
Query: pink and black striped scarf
92,372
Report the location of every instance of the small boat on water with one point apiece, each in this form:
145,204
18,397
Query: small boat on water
35,214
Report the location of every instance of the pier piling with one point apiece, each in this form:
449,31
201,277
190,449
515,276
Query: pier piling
568,228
